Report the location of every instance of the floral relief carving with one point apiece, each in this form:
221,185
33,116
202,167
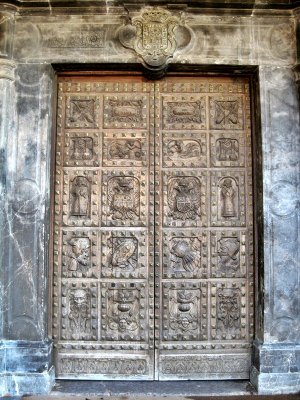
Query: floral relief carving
228,311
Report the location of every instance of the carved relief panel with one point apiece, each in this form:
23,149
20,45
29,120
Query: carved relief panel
103,229
205,233
153,241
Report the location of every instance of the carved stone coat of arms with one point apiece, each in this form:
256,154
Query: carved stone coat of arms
155,36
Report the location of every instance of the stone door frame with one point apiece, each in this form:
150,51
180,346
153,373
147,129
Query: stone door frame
32,52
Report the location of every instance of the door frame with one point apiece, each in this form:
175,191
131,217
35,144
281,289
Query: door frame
252,73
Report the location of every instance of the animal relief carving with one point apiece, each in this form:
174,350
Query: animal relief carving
124,198
184,112
123,111
123,149
183,149
80,197
123,253
184,198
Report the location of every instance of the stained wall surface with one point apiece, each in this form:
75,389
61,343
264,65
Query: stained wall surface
34,43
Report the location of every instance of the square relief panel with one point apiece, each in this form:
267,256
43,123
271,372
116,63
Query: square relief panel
82,112
123,312
228,254
185,199
80,198
79,311
185,149
228,198
228,311
184,311
226,112
227,149
183,112
128,149
124,198
81,149
124,254
185,254
126,111
79,254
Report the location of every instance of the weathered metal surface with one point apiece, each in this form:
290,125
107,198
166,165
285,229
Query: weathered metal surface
153,230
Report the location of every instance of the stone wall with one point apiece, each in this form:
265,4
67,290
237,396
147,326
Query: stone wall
34,43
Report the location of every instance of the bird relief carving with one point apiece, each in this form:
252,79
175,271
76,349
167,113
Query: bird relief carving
184,198
124,198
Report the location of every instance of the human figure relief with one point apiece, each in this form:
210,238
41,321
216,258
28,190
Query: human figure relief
123,197
80,197
79,313
228,194
228,253
79,256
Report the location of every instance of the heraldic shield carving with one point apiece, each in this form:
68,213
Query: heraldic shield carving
155,36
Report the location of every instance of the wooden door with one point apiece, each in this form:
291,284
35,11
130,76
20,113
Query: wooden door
153,260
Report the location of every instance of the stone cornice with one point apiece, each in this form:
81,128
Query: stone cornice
204,4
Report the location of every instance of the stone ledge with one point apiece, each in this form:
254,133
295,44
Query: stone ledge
275,383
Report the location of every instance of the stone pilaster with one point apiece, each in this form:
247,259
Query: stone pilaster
276,359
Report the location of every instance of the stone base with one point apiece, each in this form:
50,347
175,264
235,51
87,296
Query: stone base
276,369
18,384
26,368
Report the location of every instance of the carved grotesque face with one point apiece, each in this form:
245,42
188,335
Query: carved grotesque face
122,324
185,322
80,297
228,247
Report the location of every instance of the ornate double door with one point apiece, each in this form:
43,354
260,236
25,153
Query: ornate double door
153,224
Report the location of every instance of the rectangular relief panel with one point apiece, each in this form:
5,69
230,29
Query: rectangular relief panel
153,229
103,282
204,228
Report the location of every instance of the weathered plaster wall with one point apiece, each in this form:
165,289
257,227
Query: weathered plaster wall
35,41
